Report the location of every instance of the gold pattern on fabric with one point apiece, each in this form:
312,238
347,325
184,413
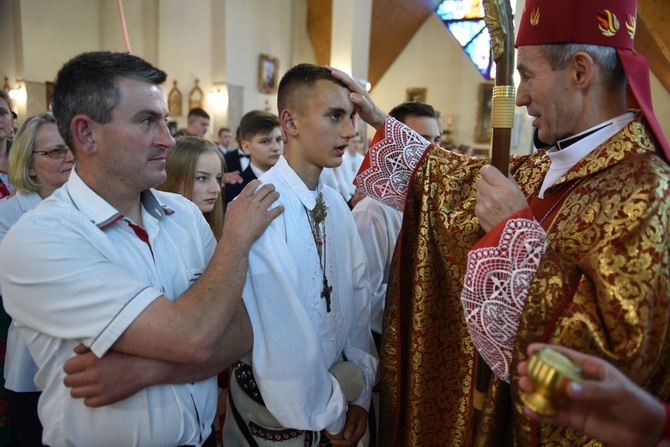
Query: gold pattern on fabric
602,288
439,214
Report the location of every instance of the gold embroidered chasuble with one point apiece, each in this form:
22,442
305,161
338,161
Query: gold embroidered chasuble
601,287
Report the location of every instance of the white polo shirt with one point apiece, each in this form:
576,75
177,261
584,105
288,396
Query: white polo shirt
72,272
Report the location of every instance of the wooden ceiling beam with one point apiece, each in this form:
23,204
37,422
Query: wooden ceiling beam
652,37
319,28
394,23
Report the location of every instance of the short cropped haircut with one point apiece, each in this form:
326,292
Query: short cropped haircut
223,129
558,56
297,85
412,108
87,84
198,112
21,155
180,168
257,122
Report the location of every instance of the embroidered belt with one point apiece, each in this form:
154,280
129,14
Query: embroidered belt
245,378
253,431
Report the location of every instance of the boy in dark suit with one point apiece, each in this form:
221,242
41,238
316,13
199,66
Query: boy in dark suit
261,139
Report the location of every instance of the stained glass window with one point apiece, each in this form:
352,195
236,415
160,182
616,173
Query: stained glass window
465,20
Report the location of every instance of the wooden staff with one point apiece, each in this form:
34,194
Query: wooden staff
498,18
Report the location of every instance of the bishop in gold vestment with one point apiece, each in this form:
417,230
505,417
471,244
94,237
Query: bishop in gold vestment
602,286
594,242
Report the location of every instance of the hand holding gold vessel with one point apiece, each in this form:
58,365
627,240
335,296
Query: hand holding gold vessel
550,372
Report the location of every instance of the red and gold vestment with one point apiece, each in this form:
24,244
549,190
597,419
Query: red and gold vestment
602,286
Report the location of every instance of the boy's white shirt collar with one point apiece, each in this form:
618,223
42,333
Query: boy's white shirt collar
306,196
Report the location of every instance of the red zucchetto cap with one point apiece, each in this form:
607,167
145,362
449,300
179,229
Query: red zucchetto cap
609,23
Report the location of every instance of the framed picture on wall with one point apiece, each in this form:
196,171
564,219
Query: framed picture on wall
268,68
483,129
416,94
174,100
196,98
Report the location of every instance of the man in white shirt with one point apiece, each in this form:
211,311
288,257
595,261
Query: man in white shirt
111,264
333,178
307,289
261,141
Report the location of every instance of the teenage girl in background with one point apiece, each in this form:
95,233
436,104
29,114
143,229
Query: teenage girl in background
194,169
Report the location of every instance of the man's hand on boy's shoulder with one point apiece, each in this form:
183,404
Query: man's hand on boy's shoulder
249,214
354,428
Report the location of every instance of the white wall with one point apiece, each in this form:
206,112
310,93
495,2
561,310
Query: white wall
301,43
52,32
141,17
184,48
188,42
8,63
55,31
255,27
181,37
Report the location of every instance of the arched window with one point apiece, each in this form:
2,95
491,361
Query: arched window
465,20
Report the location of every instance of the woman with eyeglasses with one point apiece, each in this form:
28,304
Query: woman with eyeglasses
39,163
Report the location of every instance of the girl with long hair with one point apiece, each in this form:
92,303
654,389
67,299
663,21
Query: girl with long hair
194,169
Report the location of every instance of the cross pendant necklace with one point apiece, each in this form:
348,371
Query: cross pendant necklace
316,217
325,293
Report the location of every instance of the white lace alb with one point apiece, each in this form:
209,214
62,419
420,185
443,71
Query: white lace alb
392,161
496,285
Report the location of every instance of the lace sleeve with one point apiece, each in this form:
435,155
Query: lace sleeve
390,162
496,285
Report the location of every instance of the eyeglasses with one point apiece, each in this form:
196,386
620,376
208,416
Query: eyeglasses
59,152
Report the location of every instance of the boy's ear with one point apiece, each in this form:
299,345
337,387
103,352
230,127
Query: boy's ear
287,121
244,145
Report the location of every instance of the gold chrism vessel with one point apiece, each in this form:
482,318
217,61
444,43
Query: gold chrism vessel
550,371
